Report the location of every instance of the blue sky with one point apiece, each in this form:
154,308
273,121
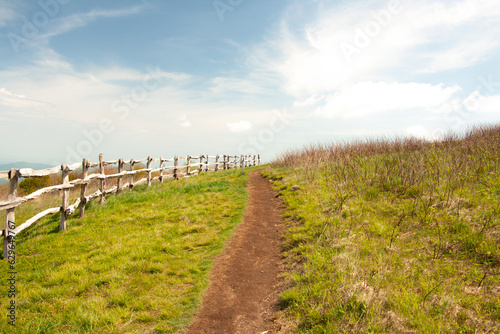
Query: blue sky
137,78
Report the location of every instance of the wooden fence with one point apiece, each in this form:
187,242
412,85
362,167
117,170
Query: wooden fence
181,167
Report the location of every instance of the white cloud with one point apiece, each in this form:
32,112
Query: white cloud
420,132
11,99
184,122
311,100
63,25
368,98
240,126
483,104
423,36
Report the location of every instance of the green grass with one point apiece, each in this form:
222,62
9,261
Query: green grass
394,236
138,264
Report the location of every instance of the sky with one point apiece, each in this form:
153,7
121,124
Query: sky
135,78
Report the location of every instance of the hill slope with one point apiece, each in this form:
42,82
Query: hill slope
137,264
23,164
396,236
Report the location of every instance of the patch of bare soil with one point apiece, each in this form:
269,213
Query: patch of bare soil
243,294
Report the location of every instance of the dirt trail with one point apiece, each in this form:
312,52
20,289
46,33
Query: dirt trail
242,296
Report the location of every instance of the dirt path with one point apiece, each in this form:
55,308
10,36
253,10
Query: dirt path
242,296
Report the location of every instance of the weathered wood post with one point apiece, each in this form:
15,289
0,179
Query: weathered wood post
131,177
148,166
65,197
217,163
242,164
10,217
83,187
224,165
201,164
176,163
258,162
188,167
119,180
102,182
236,161
161,169
206,163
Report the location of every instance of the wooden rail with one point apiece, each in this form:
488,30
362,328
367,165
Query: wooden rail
175,171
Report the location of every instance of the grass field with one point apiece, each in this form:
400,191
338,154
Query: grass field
138,264
393,236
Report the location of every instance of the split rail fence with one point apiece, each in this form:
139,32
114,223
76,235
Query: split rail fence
124,180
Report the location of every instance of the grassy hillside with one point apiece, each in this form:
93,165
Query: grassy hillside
394,236
136,265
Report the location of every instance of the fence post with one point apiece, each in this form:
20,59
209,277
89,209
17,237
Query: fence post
176,163
217,163
65,197
131,177
242,164
83,187
102,182
161,169
201,164
224,167
188,167
10,217
258,162
148,166
206,163
119,180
